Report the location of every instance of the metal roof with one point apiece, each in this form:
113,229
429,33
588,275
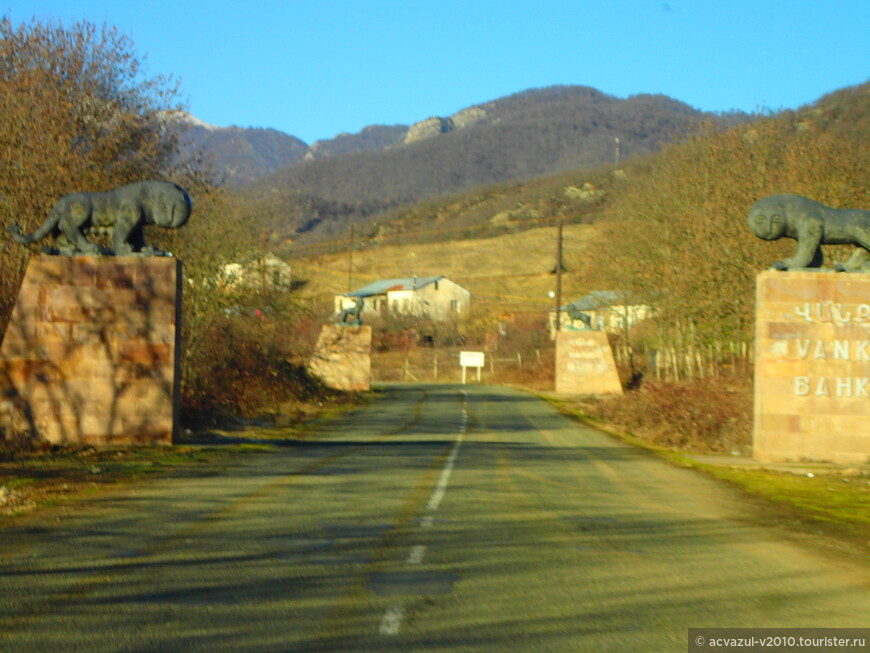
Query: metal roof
599,299
384,286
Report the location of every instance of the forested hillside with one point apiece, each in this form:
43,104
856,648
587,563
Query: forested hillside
372,138
237,156
844,113
529,134
670,227
676,232
534,133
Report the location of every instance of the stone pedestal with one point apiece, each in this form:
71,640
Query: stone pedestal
812,367
91,354
343,357
584,364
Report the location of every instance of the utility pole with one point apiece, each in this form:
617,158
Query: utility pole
617,151
262,261
350,262
559,277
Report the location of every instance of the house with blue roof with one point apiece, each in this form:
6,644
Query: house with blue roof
432,298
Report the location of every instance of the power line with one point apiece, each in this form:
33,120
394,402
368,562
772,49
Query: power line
464,277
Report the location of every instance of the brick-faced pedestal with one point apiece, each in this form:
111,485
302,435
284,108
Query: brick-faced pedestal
91,353
584,364
343,357
812,367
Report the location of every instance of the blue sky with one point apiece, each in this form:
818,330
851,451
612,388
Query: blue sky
316,68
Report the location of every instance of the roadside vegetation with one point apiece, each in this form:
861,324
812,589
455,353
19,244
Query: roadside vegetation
78,111
834,502
817,499
77,114
46,476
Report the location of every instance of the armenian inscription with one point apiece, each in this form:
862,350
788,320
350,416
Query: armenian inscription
584,364
812,372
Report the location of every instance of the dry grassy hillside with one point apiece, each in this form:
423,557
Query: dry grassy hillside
509,272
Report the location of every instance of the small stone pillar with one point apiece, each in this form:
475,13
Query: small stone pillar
584,364
343,357
91,353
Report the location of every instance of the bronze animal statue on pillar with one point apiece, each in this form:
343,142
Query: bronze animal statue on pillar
121,213
585,318
351,316
812,224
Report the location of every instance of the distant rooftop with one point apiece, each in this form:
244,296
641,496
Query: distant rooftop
386,285
598,300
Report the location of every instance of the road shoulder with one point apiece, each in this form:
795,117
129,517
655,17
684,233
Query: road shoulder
825,504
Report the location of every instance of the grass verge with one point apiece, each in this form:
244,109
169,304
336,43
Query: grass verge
831,501
50,475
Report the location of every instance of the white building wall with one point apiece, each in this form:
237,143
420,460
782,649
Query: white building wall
401,302
440,301
268,271
611,319
443,300
371,305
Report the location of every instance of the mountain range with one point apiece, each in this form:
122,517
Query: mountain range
579,125
323,187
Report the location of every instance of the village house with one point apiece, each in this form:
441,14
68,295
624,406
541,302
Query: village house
267,271
431,298
602,310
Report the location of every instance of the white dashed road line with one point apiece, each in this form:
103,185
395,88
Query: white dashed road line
416,555
392,621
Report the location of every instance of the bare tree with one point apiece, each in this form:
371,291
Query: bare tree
677,235
77,112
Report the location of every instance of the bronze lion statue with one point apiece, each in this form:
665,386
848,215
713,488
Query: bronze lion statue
812,225
121,213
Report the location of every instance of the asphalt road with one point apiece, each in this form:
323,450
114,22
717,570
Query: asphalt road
438,518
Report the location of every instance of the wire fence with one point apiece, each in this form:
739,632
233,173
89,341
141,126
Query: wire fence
442,365
536,366
676,364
